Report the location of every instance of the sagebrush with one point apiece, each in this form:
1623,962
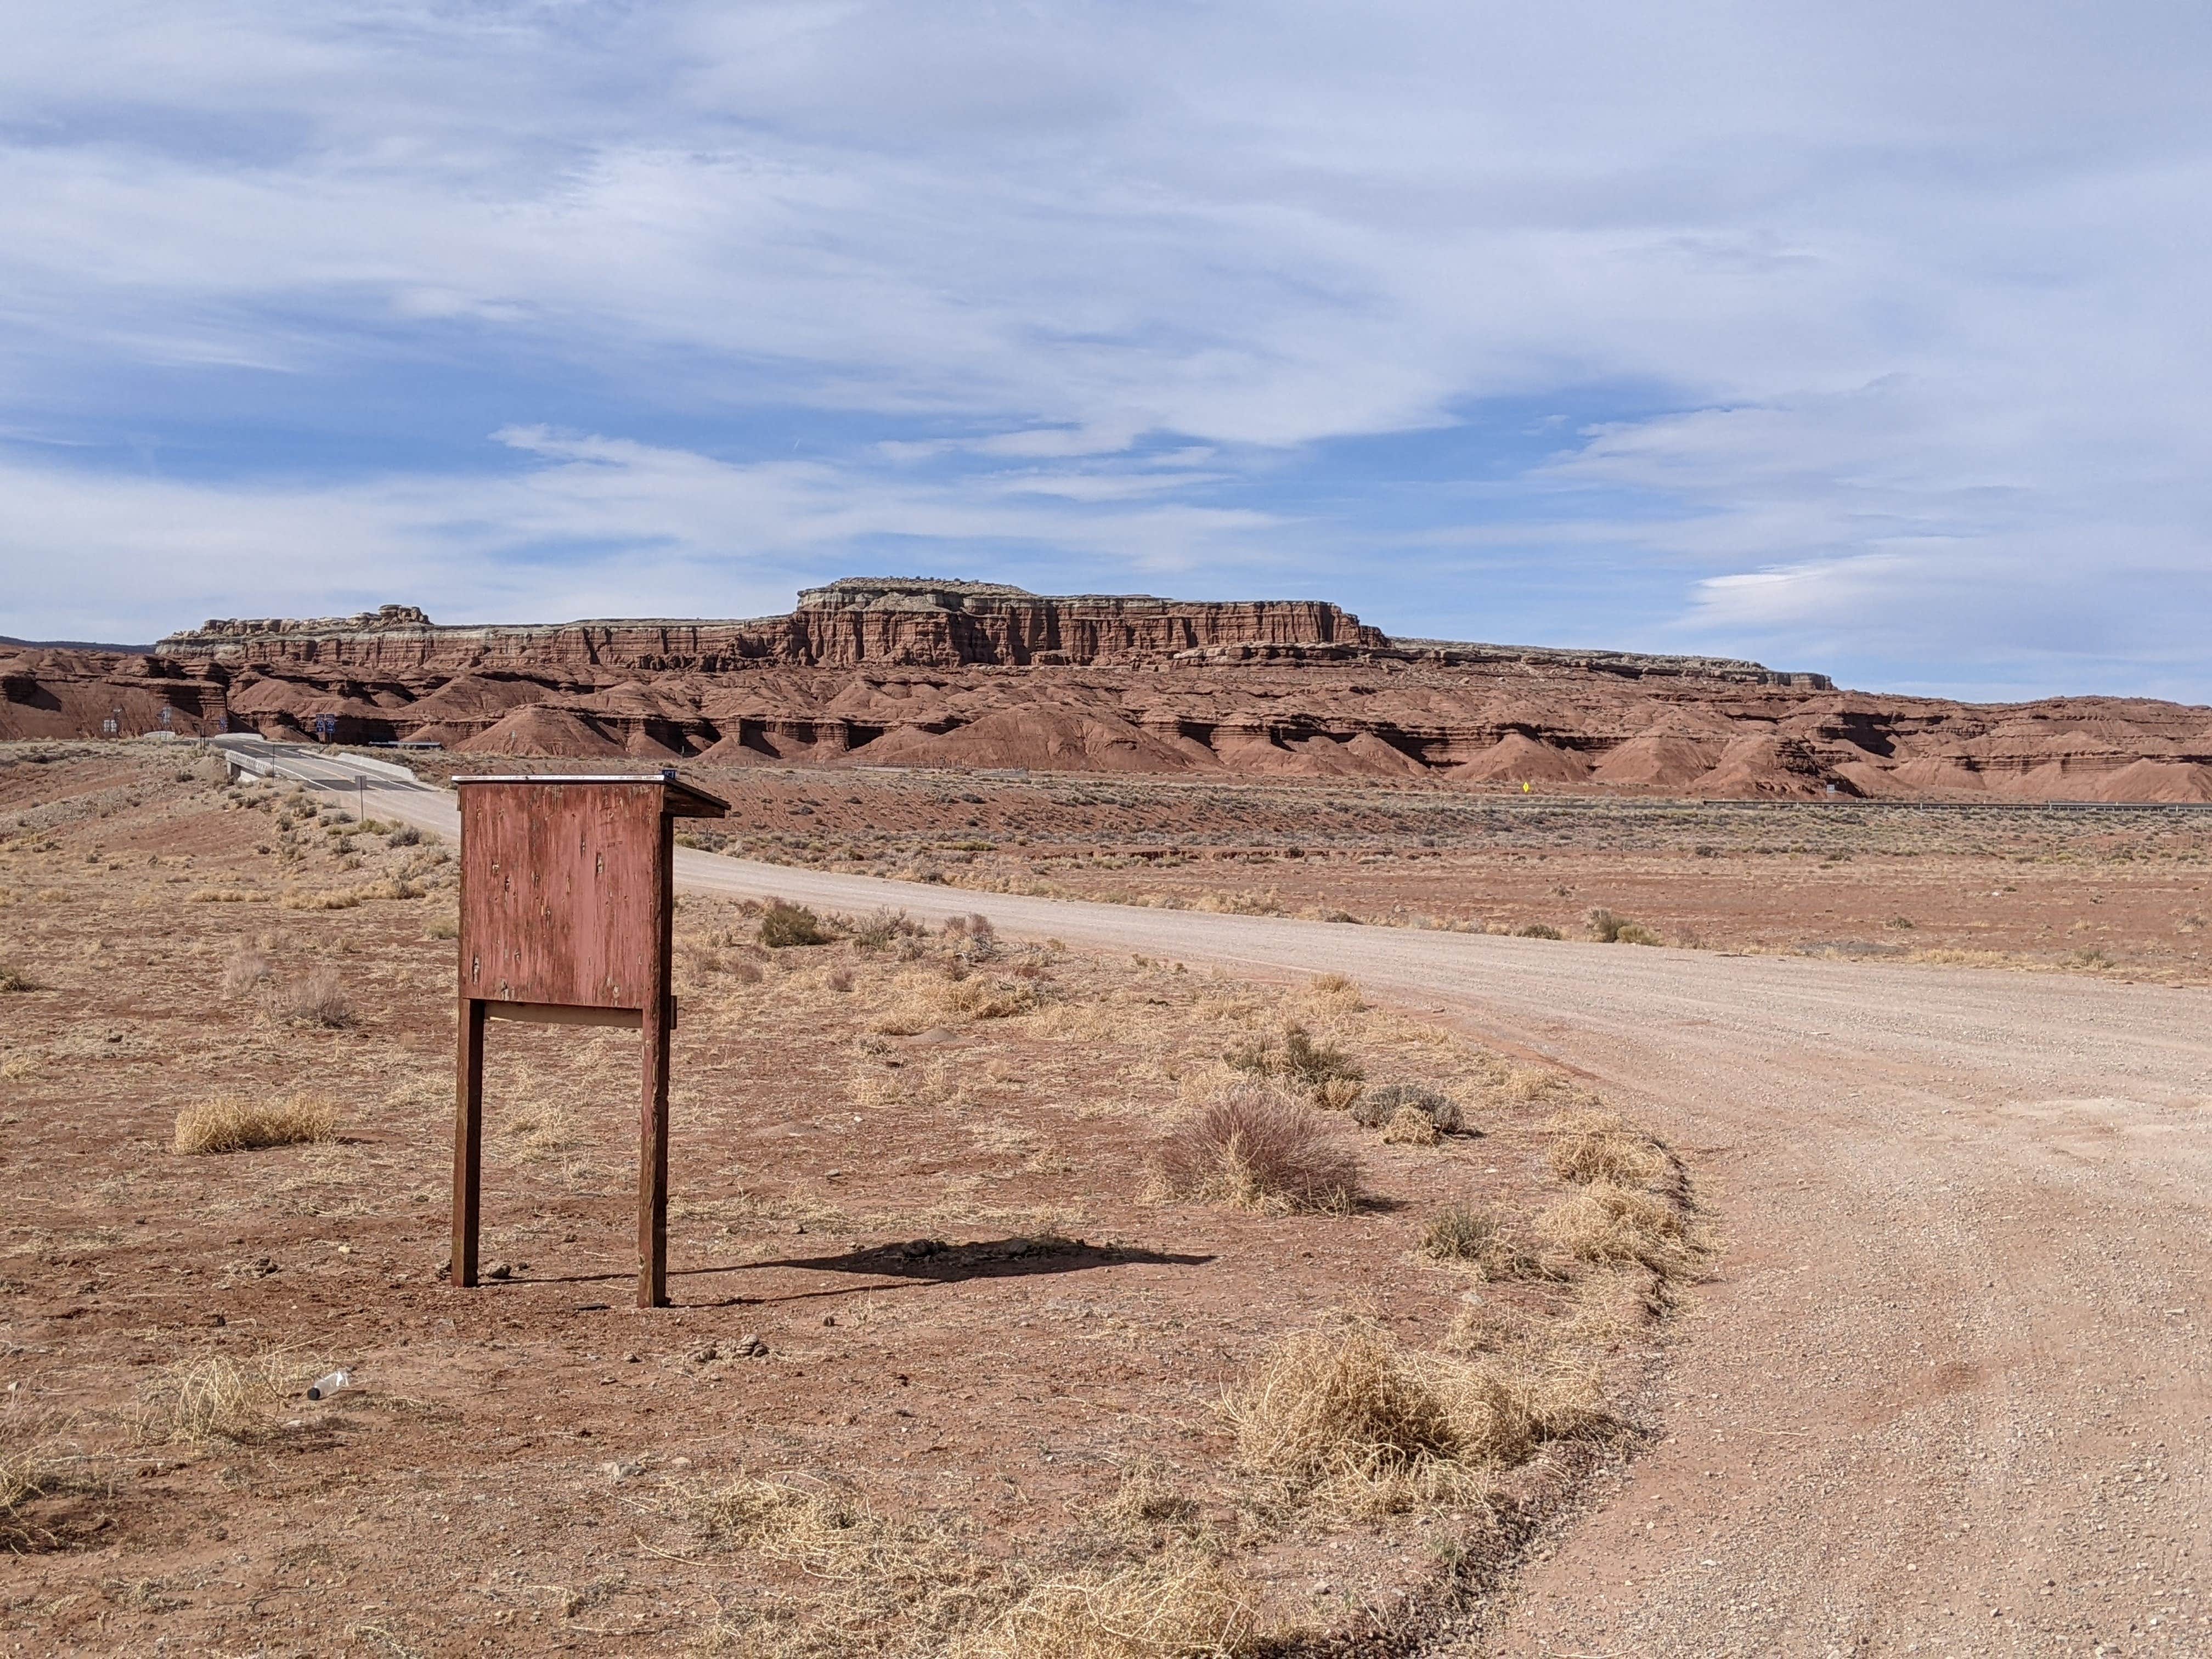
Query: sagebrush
1257,1148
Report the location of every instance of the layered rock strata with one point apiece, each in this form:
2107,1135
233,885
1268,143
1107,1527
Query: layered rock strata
955,674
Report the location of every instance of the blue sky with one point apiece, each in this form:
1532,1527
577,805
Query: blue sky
1870,338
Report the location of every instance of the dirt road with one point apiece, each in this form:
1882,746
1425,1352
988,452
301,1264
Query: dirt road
1948,1392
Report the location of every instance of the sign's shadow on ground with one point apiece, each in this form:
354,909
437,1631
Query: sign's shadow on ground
923,1261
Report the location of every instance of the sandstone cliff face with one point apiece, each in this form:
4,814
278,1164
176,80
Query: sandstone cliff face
953,674
846,624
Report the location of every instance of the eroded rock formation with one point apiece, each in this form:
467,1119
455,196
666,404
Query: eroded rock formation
962,674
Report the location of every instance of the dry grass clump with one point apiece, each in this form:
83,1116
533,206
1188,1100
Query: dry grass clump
1256,1148
991,999
1537,930
15,979
537,1128
218,1396
1352,1413
318,997
34,1463
915,1587
876,1580
783,925
224,895
921,1000
1333,995
1476,1238
1181,1604
1599,1146
1411,1126
343,899
1149,1504
245,970
231,1123
1617,1225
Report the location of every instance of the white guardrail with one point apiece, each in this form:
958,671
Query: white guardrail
263,759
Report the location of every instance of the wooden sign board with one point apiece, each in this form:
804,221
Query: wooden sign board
567,903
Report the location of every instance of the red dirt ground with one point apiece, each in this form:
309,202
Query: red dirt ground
976,1324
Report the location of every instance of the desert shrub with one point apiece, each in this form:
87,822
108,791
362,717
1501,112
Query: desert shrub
979,926
1537,930
1313,1063
1614,1224
880,927
13,978
1295,1058
1378,1106
315,998
1607,928
1351,1411
444,928
230,1123
1256,1148
405,835
1599,1146
245,970
1461,1233
1179,1605
782,926
218,1397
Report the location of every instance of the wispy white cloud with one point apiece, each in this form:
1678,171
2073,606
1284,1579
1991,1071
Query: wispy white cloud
1895,303
693,536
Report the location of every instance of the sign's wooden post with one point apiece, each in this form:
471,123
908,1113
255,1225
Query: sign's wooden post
657,1017
567,917
468,1139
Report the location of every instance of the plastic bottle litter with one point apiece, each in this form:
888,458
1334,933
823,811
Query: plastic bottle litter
324,1387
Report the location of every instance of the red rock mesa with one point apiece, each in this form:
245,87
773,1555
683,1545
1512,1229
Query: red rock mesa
905,672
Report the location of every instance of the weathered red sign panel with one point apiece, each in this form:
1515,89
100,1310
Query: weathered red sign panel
568,902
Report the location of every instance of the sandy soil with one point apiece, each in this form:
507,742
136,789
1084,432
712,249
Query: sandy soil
916,1270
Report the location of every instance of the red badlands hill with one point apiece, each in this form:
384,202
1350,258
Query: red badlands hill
869,672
